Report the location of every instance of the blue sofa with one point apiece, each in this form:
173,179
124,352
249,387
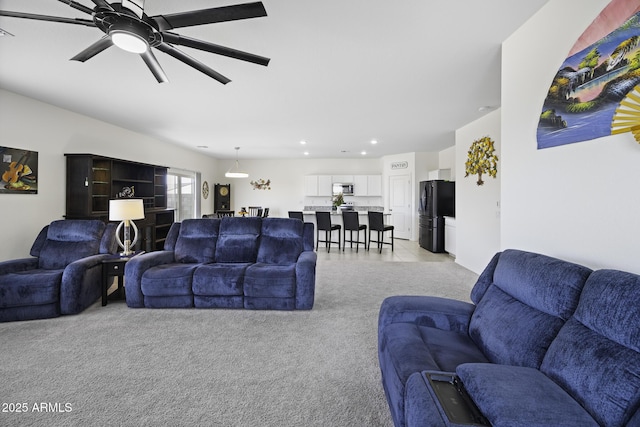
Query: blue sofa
63,275
231,262
544,343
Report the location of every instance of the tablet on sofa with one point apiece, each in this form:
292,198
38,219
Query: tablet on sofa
455,401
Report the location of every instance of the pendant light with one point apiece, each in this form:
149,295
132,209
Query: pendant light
234,171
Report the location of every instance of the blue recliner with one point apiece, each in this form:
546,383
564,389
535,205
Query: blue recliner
64,275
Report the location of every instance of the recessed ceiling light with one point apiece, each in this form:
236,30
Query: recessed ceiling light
306,153
374,142
364,153
303,142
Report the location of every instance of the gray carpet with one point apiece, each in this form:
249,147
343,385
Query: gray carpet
118,366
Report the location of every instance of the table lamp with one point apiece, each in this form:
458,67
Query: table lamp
126,210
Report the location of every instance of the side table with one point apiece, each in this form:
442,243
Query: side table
114,267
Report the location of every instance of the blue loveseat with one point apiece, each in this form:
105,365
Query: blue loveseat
544,343
231,262
63,275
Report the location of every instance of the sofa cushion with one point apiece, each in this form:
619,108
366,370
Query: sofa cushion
197,240
270,281
513,396
70,240
521,312
30,287
281,241
239,239
168,280
596,356
220,279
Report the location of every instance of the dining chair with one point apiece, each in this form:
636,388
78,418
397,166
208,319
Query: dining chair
223,213
265,213
253,210
323,223
376,223
351,223
297,215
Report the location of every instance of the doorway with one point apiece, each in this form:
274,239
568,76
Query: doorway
400,205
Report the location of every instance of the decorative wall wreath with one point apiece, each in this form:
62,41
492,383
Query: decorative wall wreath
482,159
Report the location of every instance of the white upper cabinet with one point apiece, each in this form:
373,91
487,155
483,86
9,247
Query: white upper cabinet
343,179
325,186
317,185
367,185
374,185
360,185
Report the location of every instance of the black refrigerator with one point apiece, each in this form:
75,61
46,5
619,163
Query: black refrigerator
437,200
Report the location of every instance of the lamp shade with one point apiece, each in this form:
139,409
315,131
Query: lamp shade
234,171
123,209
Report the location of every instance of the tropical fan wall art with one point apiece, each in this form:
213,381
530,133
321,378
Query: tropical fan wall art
592,94
627,115
482,159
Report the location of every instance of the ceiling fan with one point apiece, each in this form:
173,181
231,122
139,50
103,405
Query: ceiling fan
127,26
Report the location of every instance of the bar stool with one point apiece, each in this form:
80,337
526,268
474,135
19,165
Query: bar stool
376,223
352,223
297,215
323,222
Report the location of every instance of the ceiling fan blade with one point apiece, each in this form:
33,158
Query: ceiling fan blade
153,64
214,48
136,6
210,16
103,4
94,49
181,56
78,6
78,21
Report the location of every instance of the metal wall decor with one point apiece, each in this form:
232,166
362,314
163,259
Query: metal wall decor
481,159
261,184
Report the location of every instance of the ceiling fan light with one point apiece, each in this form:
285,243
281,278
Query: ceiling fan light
128,41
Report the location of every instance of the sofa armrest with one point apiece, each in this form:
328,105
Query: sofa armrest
306,280
17,265
441,313
500,390
81,283
135,268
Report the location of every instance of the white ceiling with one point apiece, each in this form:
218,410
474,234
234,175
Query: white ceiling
343,72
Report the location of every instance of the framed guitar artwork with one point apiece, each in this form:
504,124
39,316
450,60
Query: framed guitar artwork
19,170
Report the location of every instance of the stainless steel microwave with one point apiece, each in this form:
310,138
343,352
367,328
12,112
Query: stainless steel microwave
346,189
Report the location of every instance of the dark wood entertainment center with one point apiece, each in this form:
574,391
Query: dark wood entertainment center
94,180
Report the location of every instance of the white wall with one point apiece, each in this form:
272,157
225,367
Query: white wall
447,160
580,201
51,131
477,206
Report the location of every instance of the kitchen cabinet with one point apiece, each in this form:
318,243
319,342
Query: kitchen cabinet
318,185
94,180
374,185
450,235
367,185
343,179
